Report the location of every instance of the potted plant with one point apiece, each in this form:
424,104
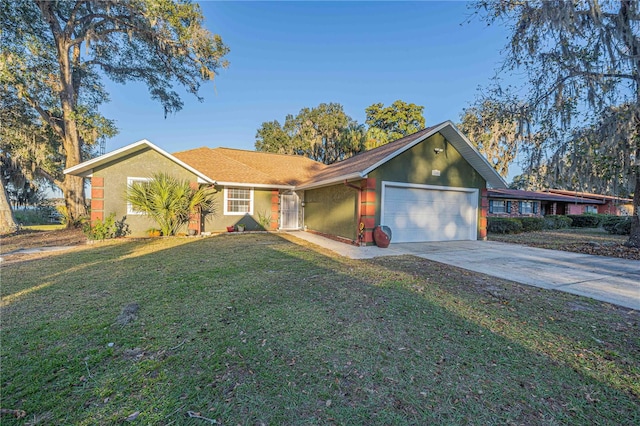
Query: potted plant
231,228
241,227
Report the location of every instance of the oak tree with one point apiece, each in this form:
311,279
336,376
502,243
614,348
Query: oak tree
395,121
55,55
580,59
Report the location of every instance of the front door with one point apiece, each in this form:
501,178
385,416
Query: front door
289,211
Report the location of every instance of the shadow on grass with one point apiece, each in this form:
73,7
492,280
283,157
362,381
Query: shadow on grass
252,328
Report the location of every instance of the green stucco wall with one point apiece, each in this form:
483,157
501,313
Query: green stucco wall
139,165
143,165
331,210
218,221
417,164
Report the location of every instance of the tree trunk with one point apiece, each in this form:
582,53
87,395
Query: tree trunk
74,199
7,221
634,238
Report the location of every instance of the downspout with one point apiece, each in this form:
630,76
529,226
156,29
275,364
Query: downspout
360,231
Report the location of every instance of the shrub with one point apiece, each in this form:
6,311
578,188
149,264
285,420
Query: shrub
109,228
530,224
504,225
587,220
619,225
554,221
170,201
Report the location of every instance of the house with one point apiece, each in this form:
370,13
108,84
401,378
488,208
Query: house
618,206
428,186
515,202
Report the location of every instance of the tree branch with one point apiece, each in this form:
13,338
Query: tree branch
45,116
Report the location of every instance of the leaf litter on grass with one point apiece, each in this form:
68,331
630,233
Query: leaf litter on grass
266,331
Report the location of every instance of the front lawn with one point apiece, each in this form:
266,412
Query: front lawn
253,329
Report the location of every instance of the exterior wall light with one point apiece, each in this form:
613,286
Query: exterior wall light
438,150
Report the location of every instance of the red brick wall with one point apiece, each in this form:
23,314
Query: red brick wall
368,209
97,199
275,210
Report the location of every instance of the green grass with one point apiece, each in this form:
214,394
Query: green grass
252,329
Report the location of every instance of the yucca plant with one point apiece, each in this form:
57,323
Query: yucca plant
169,201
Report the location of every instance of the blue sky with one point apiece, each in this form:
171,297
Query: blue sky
289,55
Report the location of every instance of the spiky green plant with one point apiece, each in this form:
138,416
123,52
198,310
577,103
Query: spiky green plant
169,201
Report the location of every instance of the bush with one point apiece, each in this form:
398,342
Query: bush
504,225
587,220
530,224
109,228
554,221
618,225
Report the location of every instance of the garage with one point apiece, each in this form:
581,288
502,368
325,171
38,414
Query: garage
418,213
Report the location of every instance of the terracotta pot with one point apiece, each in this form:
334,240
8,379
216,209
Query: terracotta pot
382,236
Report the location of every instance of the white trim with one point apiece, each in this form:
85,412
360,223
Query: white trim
226,198
130,181
331,181
473,233
85,169
406,147
254,185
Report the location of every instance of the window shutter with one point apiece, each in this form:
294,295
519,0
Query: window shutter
535,208
490,206
520,207
508,207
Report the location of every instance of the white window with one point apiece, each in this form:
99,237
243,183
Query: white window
497,206
238,201
526,207
591,209
131,181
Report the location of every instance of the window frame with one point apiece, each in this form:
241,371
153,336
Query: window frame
589,208
530,204
130,181
227,212
492,206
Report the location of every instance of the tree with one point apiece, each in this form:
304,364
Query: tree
29,153
271,137
395,121
591,161
494,132
323,133
55,54
579,59
170,202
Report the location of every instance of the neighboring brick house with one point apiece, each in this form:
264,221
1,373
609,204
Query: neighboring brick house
618,206
428,186
515,202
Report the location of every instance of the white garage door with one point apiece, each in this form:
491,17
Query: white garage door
427,213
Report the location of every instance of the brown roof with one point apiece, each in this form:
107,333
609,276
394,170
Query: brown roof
518,194
240,166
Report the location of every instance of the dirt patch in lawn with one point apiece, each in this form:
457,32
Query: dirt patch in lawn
38,239
588,241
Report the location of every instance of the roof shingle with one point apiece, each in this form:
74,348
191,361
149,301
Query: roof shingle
239,166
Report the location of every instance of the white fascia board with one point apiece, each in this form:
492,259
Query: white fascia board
85,169
254,185
331,181
405,148
486,170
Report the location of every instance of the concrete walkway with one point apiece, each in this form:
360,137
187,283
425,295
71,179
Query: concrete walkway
607,279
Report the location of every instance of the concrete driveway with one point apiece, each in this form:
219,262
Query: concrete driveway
607,279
